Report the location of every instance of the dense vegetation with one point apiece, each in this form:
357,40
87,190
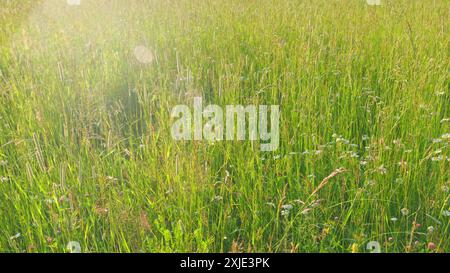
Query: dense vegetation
86,152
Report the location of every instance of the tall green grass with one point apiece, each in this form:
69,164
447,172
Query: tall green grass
85,147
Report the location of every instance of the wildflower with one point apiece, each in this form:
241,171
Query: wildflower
436,140
4,179
111,178
430,229
49,239
446,136
437,158
3,163
343,140
326,231
394,219
402,164
404,211
285,213
287,207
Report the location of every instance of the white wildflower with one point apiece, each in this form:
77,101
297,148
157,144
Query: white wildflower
285,213
437,158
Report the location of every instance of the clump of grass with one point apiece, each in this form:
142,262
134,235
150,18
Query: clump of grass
86,153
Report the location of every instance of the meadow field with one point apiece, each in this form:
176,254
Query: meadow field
86,152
